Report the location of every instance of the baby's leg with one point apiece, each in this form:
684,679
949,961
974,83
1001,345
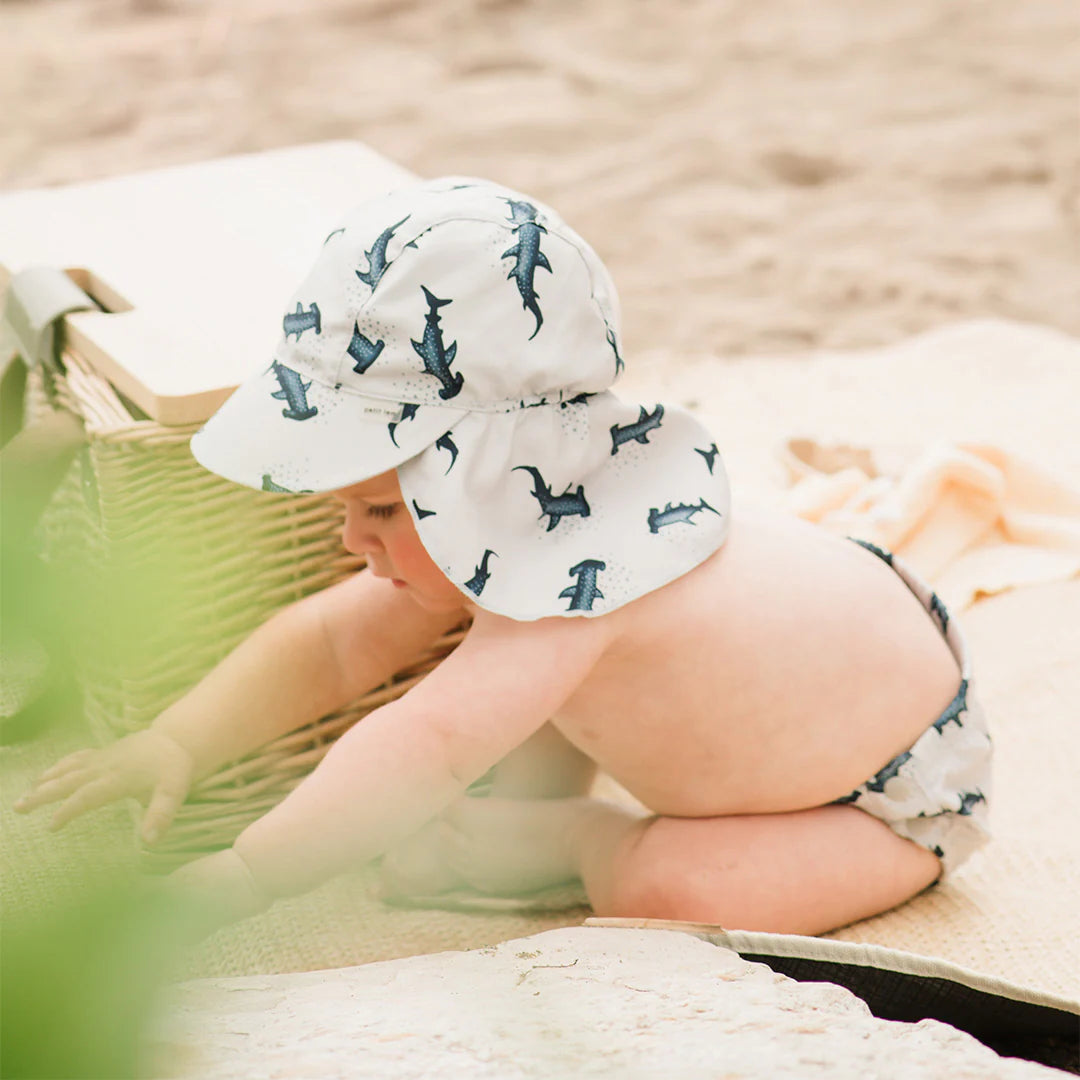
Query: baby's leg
804,872
544,767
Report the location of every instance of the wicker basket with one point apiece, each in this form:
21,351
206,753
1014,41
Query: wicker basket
166,568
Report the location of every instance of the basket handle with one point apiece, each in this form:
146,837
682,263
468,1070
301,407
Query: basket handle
34,460
35,299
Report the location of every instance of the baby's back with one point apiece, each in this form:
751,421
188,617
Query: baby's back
778,675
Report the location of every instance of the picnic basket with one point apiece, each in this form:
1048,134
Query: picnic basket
165,568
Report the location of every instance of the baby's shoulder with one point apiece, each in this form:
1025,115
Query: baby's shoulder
683,608
525,667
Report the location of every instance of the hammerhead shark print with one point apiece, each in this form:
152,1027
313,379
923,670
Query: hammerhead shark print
529,256
332,234
476,583
672,515
884,555
577,399
969,799
555,506
296,322
709,456
376,257
619,365
639,430
938,608
437,359
269,485
408,412
878,780
444,442
294,391
421,514
363,350
952,712
585,591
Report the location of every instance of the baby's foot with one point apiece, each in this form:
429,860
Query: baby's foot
506,847
499,847
417,867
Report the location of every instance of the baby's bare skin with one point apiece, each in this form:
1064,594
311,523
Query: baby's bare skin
778,675
736,702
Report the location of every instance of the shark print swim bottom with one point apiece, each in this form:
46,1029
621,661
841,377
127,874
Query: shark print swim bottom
936,793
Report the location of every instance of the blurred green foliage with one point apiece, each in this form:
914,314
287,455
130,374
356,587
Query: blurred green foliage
79,981
83,952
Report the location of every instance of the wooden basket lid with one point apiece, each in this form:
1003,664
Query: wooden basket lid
193,264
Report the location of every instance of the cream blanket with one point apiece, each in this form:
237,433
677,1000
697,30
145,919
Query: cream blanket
974,520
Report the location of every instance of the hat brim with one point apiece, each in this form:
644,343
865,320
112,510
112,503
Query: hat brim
573,509
314,439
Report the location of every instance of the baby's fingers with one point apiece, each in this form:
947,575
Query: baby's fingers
164,803
66,764
52,791
93,795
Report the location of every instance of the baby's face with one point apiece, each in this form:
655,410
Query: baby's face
379,527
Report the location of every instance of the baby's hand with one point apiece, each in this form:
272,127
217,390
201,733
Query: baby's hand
212,892
147,765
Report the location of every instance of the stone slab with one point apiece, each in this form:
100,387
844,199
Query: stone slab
577,1002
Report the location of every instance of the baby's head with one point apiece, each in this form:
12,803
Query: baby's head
461,336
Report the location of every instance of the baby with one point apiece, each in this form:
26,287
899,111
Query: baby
794,708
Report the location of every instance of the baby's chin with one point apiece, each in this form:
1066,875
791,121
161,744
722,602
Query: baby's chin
446,600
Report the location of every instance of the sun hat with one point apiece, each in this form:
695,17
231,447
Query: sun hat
461,333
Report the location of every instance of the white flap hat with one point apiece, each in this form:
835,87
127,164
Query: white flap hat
463,334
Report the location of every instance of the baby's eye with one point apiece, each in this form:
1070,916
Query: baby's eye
383,511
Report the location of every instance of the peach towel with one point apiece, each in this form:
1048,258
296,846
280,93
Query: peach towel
972,519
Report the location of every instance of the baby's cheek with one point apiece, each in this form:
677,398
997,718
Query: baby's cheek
411,558
427,572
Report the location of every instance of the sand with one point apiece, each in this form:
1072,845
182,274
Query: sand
761,175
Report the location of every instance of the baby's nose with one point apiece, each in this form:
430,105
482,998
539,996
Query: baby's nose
358,537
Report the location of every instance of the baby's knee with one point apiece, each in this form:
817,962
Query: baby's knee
643,884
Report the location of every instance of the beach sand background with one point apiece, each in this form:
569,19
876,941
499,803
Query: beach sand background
762,176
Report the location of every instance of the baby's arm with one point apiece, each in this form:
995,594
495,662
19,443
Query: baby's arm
406,762
307,660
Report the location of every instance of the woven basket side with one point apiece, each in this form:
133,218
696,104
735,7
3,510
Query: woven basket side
168,568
